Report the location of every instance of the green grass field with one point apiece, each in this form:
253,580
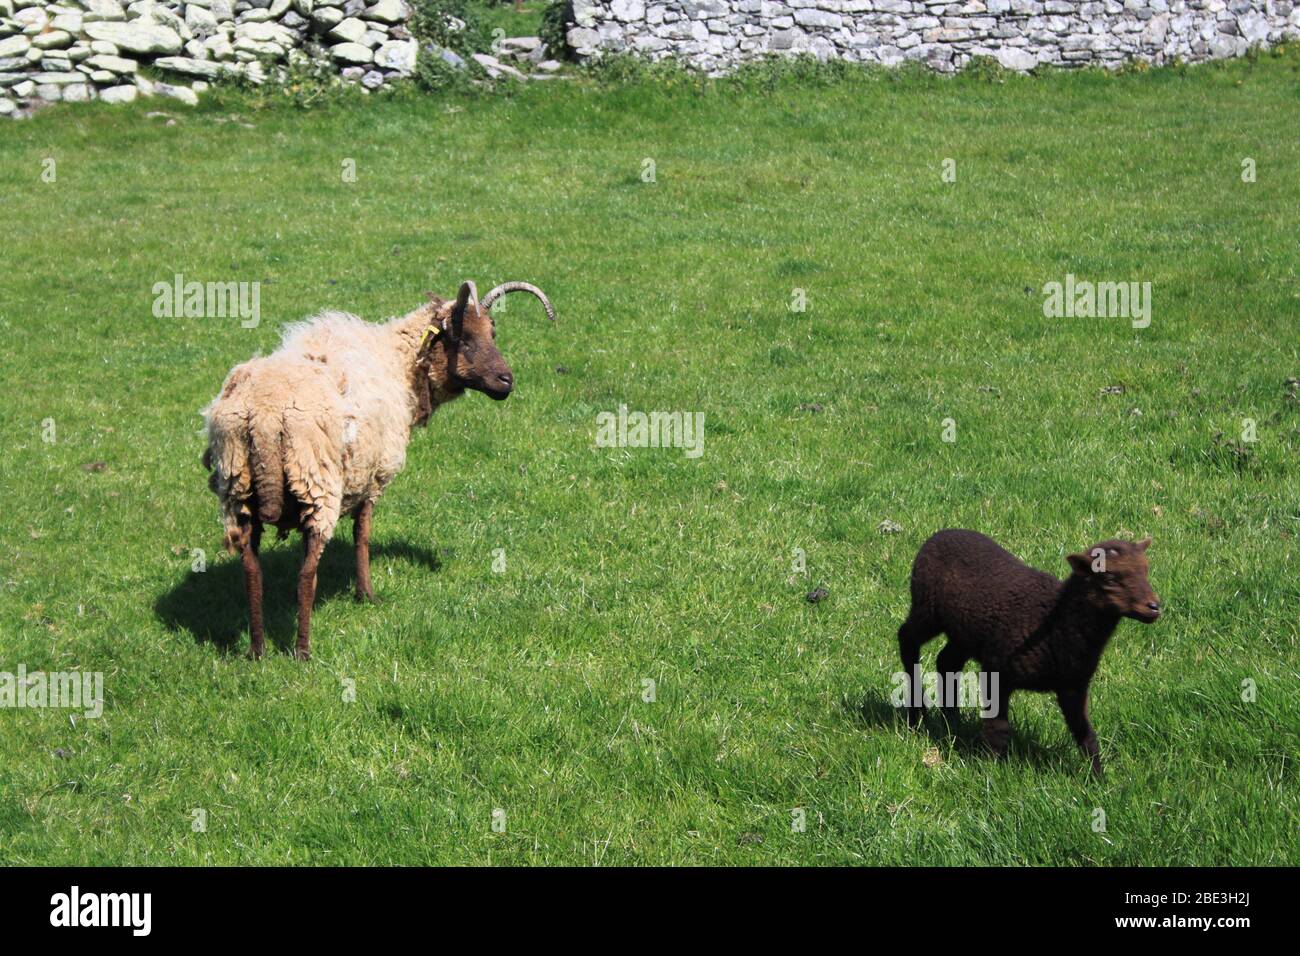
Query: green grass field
522,692
514,23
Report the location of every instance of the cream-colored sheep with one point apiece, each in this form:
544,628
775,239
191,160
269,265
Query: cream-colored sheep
318,428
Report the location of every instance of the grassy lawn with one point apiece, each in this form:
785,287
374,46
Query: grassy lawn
522,691
523,22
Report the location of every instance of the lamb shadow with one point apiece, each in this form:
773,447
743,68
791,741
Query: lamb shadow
212,605
879,711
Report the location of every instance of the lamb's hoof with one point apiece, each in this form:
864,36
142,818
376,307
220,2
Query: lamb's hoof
997,741
366,597
302,653
254,653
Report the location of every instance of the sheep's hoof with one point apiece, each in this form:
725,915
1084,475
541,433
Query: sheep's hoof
366,597
254,653
302,653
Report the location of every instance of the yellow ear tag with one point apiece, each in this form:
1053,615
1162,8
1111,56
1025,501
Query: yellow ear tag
430,335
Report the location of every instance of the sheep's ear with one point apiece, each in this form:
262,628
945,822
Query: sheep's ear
467,296
1144,543
1082,563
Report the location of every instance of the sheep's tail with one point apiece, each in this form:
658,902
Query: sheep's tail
266,451
226,457
246,457
273,461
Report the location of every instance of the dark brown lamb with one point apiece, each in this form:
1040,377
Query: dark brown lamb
1030,629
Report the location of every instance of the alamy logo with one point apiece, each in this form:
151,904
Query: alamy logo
179,299
103,909
959,689
75,690
1080,299
626,429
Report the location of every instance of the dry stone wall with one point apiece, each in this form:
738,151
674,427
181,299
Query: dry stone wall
77,50
945,34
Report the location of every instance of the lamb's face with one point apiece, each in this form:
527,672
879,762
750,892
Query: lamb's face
1116,572
472,359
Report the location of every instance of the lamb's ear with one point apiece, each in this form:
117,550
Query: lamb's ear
1144,543
467,295
1081,563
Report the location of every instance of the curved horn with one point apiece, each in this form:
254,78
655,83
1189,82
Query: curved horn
505,287
468,293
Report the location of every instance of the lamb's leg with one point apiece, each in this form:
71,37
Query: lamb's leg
997,727
1074,708
949,665
313,545
361,535
914,632
250,541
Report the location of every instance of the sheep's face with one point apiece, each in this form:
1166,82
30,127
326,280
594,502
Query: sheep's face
469,358
473,360
1116,575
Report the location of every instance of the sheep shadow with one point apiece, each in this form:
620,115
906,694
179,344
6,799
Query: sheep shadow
967,738
212,605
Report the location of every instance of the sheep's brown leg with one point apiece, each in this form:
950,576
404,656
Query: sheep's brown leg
997,724
1074,708
250,541
949,665
911,636
361,534
313,545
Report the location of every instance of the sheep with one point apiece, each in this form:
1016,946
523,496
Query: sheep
1023,626
318,428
